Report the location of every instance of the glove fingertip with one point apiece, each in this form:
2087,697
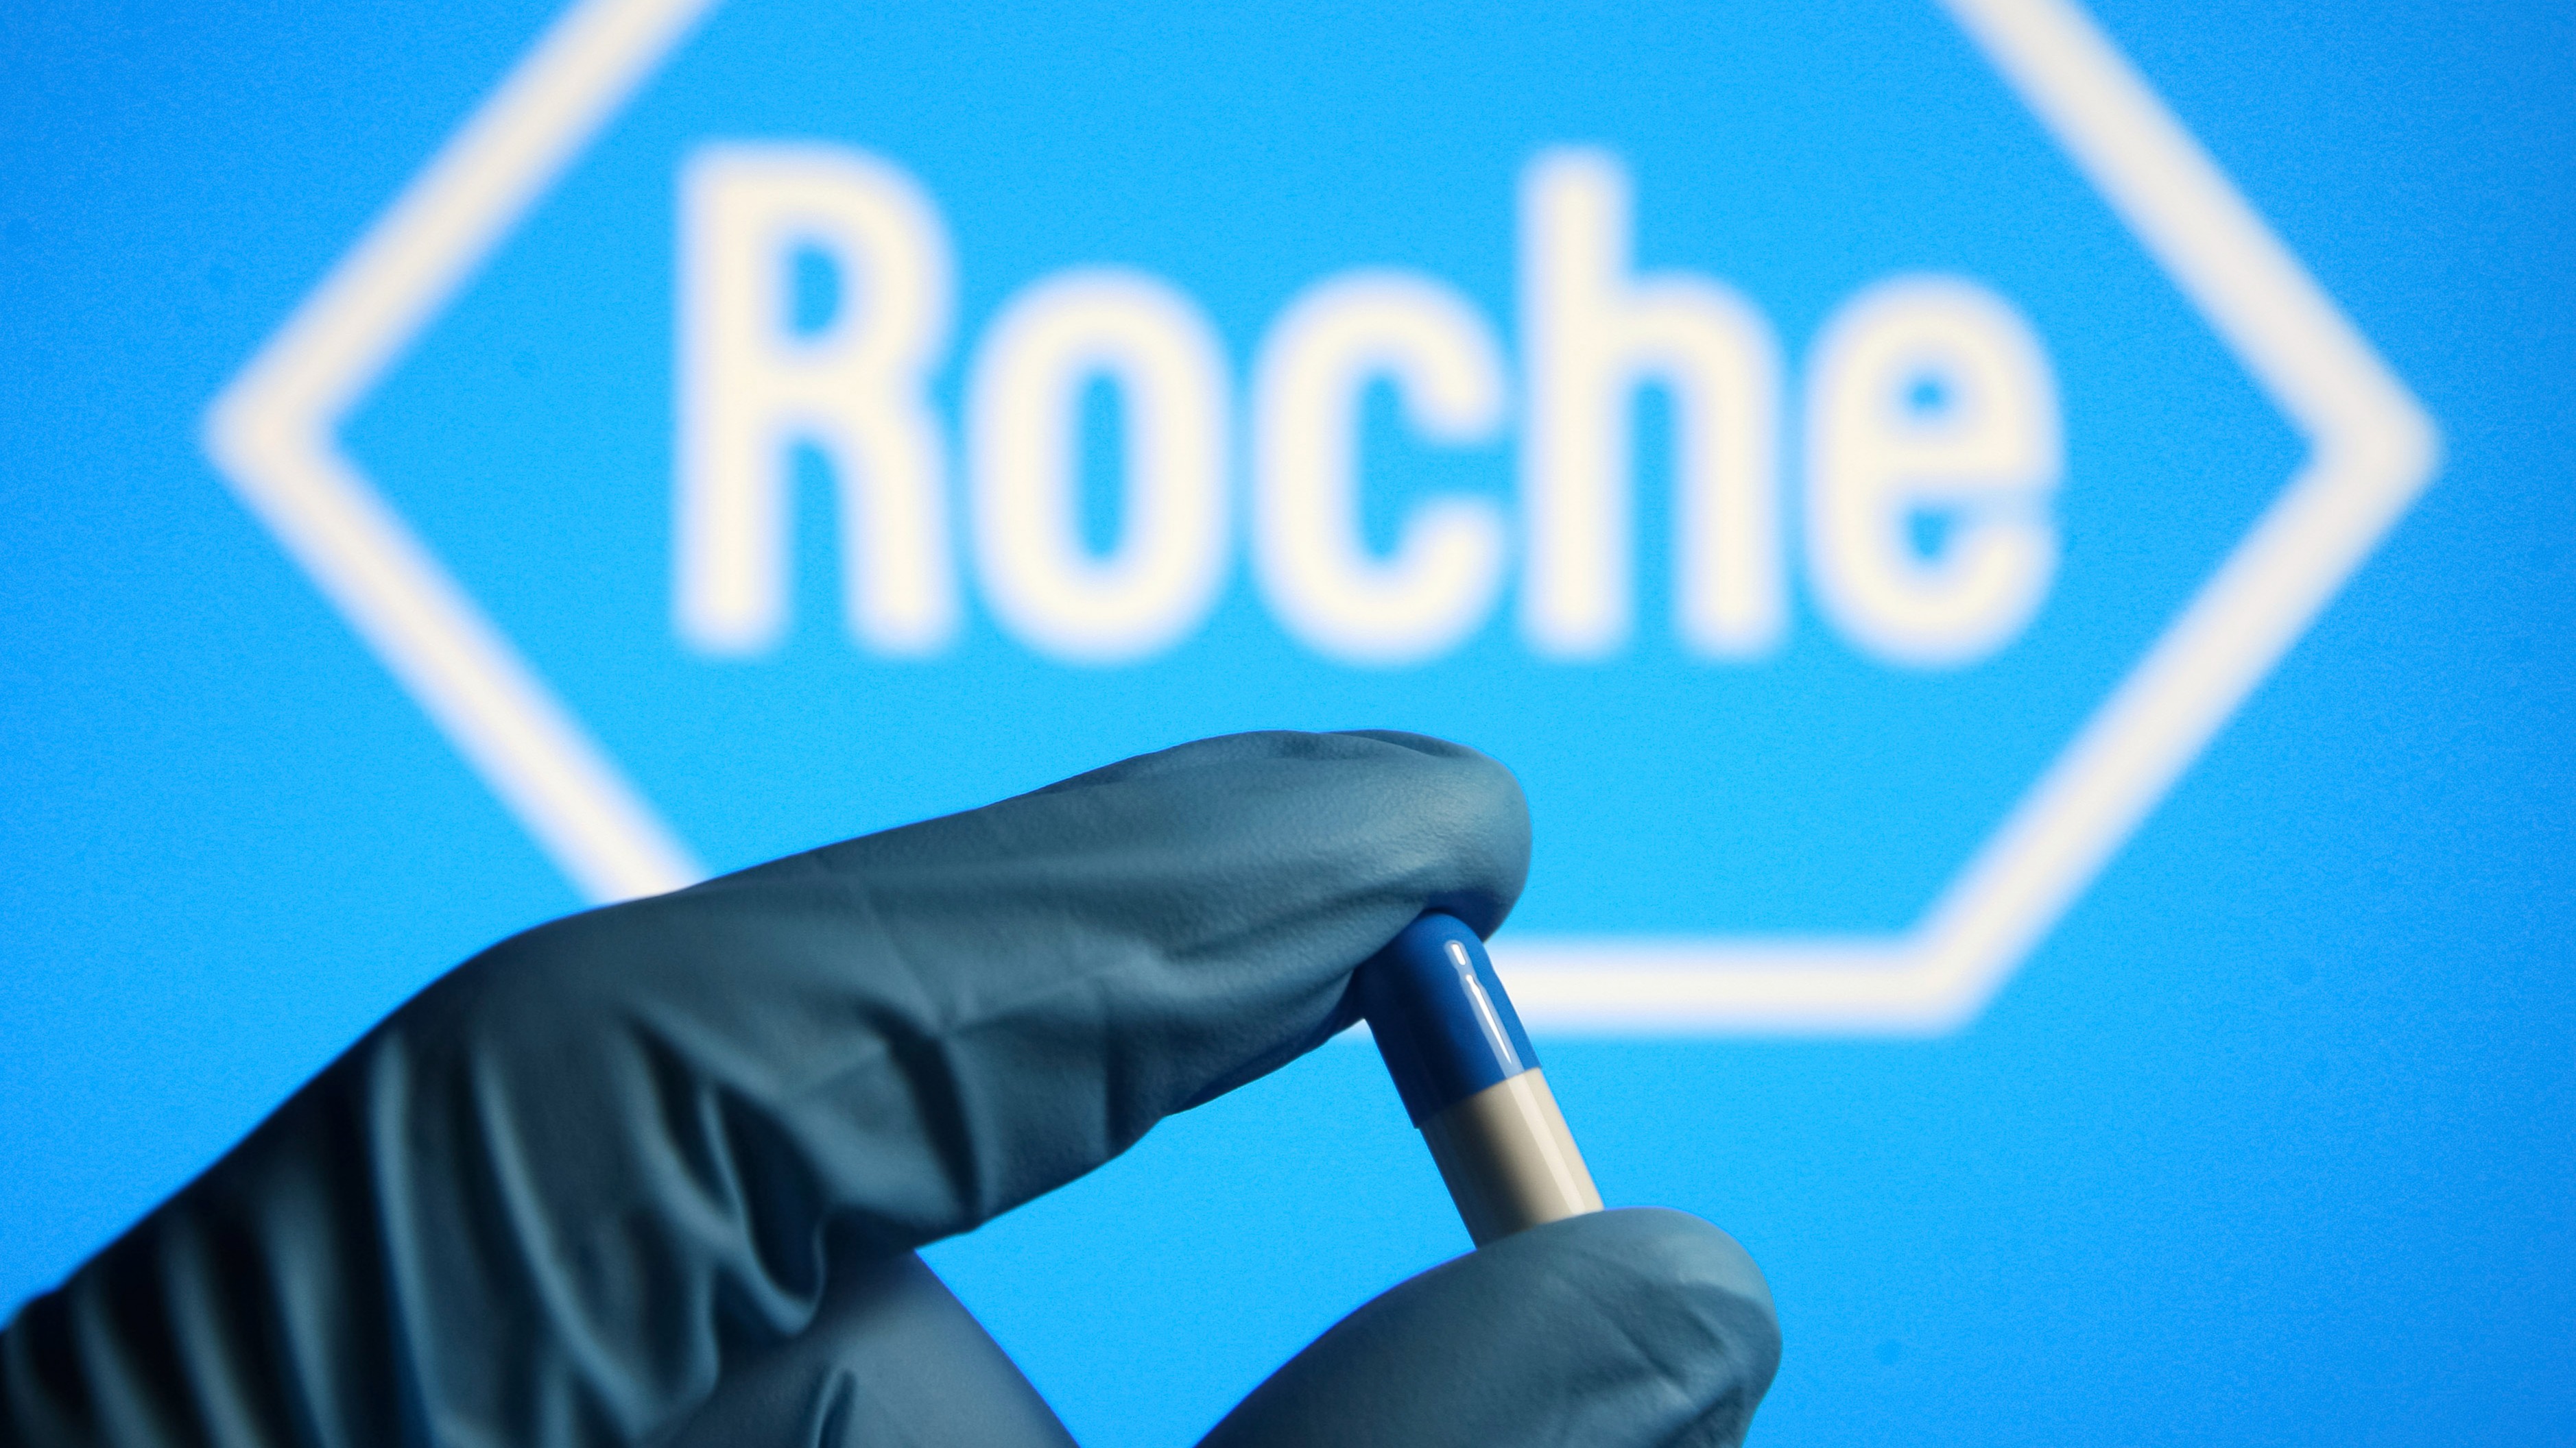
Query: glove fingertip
1474,809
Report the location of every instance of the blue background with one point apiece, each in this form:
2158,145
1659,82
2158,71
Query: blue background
2269,1140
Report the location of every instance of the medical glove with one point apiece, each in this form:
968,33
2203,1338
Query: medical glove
656,1173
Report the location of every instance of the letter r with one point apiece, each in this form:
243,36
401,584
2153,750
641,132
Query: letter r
750,386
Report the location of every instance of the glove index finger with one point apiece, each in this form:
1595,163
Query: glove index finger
951,1017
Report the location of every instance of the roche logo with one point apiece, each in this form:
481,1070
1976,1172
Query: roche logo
1902,480
1928,396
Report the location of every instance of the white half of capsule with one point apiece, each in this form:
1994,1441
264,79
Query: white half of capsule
1508,1159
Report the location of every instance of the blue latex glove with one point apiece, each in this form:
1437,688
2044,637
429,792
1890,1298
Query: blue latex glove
655,1174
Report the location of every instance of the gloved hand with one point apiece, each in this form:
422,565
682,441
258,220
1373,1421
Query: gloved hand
655,1174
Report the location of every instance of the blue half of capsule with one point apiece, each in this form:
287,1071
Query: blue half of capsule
1440,1016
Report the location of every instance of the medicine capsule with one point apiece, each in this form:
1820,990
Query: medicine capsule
1470,1080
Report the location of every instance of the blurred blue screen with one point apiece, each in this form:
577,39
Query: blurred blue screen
2021,554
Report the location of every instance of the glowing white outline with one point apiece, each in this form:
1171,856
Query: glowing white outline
272,432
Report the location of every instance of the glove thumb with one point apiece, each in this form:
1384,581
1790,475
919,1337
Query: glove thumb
1617,1328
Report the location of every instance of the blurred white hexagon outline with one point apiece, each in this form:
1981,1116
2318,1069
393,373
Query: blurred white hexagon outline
273,434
